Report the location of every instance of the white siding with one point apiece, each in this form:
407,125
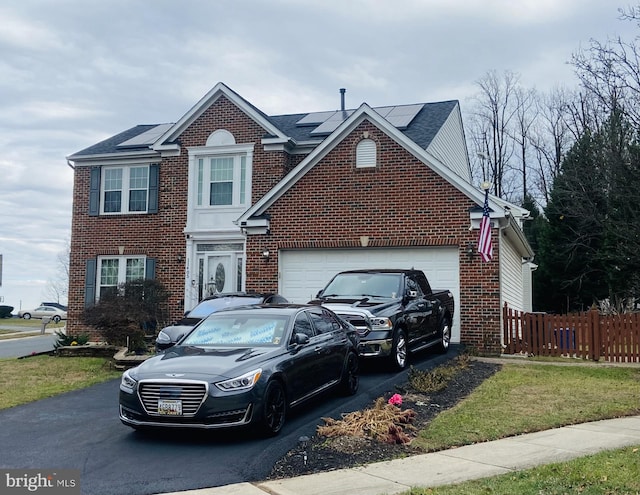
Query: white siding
511,283
527,281
449,146
302,273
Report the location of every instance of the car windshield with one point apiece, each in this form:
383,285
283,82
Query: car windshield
239,330
364,285
205,308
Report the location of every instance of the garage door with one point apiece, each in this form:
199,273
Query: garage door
304,272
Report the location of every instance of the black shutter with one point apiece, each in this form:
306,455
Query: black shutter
94,192
150,269
152,207
90,283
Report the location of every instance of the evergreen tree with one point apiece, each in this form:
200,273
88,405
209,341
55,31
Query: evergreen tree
587,247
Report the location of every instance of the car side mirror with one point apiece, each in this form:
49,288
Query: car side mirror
300,339
412,294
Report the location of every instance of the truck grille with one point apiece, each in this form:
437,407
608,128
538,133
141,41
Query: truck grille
358,321
191,394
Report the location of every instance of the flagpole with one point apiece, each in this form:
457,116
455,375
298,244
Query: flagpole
485,248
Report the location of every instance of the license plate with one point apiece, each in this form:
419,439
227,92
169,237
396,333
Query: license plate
170,407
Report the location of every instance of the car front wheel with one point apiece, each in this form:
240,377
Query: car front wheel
26,316
274,408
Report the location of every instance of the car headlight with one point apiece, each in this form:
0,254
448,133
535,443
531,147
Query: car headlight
128,383
244,382
163,338
381,324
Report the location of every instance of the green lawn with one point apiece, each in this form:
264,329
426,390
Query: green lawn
615,472
33,378
533,397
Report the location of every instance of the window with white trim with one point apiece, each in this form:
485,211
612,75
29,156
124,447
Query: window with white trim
116,270
125,190
366,153
221,181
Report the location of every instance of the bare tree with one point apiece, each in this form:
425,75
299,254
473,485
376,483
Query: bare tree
57,287
610,72
493,110
526,105
550,139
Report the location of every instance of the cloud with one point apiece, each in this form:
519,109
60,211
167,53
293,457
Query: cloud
75,72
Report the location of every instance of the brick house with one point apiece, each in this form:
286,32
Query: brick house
229,198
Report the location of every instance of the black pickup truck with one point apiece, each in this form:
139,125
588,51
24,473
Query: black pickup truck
394,311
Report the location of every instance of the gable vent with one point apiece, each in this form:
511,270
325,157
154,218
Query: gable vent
366,153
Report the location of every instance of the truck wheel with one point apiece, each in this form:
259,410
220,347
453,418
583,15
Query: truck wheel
445,336
399,350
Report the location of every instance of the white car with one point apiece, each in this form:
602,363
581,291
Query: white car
41,311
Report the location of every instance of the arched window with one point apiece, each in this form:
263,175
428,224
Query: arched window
366,153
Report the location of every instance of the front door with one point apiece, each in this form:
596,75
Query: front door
219,275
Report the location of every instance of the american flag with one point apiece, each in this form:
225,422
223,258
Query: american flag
485,248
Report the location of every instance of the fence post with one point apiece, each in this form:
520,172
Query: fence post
596,338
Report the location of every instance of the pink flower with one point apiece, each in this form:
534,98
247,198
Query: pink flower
395,400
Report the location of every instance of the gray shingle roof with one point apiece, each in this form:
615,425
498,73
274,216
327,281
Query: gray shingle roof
422,129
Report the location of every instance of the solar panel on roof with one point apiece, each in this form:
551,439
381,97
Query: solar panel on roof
332,123
315,118
146,138
401,116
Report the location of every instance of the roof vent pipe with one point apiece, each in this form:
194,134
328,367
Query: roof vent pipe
342,92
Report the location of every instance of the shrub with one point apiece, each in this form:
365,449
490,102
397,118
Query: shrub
69,340
5,311
124,316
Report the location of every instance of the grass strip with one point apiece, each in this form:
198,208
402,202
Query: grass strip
613,472
38,377
522,399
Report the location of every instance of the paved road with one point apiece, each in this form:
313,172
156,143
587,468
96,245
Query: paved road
81,430
26,345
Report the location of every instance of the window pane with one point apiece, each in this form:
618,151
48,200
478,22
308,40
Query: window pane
139,178
221,176
109,272
113,179
135,269
112,201
221,193
200,180
239,275
243,178
138,200
221,169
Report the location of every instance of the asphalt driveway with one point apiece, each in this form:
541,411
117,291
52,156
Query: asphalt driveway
81,430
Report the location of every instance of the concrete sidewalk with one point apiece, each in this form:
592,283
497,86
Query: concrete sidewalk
452,466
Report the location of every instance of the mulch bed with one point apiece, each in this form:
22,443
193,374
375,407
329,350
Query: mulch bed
326,454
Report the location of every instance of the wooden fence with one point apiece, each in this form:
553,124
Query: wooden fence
589,335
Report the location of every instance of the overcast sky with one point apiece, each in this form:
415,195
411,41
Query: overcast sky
74,72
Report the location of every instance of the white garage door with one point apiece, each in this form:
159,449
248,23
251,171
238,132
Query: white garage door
304,272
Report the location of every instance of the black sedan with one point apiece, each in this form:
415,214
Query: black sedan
168,336
243,366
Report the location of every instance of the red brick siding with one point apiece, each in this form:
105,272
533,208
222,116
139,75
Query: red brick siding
400,203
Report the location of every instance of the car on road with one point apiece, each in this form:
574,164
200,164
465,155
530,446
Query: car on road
241,367
168,336
55,314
